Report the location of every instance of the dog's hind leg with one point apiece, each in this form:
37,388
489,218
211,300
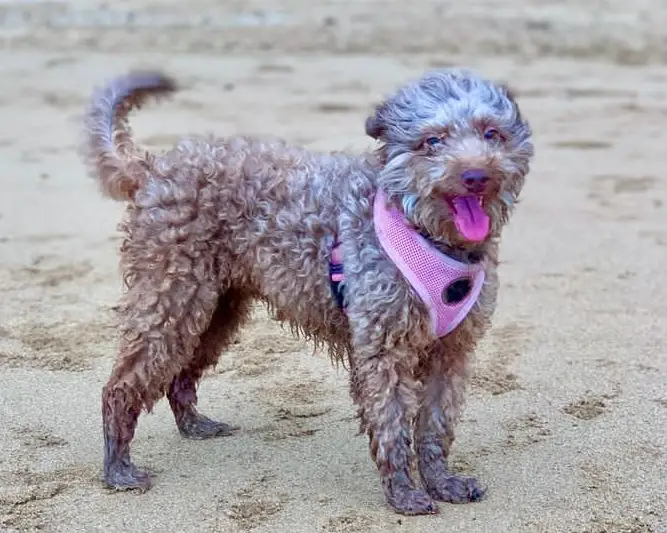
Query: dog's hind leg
443,376
164,316
232,311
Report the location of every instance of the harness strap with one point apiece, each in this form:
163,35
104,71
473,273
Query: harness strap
337,275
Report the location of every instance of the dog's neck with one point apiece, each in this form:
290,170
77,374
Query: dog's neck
460,253
464,252
449,288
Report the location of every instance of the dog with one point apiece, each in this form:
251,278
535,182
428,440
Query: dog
215,224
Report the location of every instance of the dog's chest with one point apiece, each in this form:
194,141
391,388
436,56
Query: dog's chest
448,288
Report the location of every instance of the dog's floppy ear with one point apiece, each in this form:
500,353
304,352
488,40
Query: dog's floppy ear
375,124
511,96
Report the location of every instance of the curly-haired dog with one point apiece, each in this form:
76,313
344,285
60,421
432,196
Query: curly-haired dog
217,223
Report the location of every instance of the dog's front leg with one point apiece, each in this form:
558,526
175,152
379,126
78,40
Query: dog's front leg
443,375
387,394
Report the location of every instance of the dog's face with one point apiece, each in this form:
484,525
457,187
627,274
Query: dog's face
456,150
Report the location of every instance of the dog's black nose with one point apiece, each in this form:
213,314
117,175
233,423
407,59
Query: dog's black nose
475,179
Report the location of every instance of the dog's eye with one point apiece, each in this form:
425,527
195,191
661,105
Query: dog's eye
492,134
433,141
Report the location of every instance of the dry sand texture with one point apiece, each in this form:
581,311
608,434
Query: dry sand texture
567,415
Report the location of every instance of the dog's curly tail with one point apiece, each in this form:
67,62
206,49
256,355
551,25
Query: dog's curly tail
109,152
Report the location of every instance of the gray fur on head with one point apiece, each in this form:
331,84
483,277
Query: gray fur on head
445,97
453,103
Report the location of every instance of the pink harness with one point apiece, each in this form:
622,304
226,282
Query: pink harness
448,288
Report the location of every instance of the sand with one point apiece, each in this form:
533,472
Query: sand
566,420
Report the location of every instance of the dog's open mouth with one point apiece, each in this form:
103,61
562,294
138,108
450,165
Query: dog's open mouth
470,218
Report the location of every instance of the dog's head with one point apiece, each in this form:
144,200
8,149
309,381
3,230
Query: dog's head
455,150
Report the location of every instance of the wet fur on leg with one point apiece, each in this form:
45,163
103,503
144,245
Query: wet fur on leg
444,374
232,311
216,223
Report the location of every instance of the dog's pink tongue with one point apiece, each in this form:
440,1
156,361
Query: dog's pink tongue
470,218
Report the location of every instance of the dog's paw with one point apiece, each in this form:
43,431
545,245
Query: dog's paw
404,497
197,426
412,502
455,489
126,476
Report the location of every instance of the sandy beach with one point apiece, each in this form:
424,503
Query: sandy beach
566,418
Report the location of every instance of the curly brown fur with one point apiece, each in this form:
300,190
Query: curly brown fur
216,223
